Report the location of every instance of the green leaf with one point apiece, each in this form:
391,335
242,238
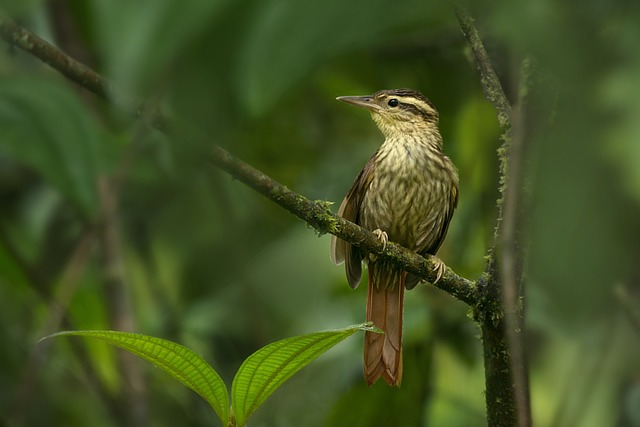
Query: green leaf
270,61
175,359
152,34
266,369
45,126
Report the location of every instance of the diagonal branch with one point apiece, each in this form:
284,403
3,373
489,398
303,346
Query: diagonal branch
20,37
316,214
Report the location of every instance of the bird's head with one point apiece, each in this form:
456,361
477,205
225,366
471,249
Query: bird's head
398,112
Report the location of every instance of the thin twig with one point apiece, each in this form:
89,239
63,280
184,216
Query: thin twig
20,37
316,214
75,71
488,77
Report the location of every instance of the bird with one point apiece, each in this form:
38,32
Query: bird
406,193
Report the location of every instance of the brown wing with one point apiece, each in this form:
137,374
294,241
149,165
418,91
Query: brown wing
442,233
342,251
412,280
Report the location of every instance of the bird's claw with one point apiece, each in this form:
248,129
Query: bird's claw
384,238
439,268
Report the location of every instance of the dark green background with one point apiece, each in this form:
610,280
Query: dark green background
214,266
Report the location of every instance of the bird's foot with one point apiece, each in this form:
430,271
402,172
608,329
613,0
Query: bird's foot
439,267
384,238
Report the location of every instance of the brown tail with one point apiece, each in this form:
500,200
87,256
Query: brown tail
385,300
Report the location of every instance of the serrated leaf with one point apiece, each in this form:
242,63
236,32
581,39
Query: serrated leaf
176,360
46,126
266,369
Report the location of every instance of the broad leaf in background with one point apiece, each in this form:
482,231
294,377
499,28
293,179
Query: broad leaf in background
288,39
175,359
150,35
47,127
266,369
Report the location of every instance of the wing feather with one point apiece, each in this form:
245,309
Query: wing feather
341,250
412,280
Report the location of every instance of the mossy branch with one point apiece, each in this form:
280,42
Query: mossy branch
500,310
488,77
484,296
316,213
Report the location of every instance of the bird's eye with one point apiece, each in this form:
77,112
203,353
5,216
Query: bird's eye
393,102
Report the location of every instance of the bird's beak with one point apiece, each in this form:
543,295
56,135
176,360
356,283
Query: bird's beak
361,101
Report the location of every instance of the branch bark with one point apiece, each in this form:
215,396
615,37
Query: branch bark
317,214
20,37
488,77
501,292
484,296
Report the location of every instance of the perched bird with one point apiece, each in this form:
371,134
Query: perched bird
406,193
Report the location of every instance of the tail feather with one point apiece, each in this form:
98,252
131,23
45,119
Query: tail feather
385,300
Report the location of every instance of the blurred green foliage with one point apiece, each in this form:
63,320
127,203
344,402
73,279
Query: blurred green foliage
214,266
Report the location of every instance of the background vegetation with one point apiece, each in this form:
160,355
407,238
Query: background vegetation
107,224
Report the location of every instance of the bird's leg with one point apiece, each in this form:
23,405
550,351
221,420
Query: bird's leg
439,267
384,238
